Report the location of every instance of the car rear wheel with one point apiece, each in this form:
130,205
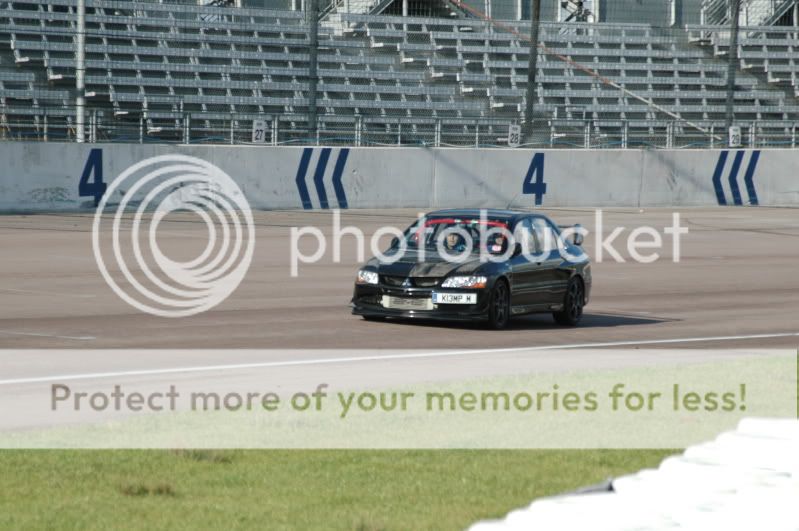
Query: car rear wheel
499,308
374,318
573,303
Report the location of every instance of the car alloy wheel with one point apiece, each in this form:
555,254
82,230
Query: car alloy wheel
499,310
573,304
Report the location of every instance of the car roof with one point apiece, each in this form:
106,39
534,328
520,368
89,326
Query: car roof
510,215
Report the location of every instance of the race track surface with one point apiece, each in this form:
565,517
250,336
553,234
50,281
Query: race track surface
737,277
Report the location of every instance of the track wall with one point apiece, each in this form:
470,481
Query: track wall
46,176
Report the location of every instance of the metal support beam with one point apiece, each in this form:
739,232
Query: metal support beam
732,64
80,72
313,60
532,69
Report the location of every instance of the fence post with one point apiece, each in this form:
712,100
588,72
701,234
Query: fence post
3,122
438,133
275,129
587,135
399,132
624,135
187,128
93,138
477,134
141,128
231,129
670,135
793,136
45,125
358,129
712,136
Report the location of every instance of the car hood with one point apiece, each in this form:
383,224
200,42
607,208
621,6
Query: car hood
433,265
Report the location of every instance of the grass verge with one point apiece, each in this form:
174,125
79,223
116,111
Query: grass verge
347,489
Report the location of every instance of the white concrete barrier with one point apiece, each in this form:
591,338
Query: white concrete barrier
745,479
46,176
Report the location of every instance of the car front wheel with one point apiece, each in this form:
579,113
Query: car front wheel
573,303
499,308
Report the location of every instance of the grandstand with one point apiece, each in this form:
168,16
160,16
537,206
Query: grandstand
389,73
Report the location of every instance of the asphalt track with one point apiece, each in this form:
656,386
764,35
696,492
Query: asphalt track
736,277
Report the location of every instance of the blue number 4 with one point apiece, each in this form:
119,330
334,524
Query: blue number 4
539,187
94,166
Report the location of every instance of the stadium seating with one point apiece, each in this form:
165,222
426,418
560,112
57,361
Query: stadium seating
771,53
390,79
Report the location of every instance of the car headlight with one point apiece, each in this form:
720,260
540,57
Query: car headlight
366,277
465,282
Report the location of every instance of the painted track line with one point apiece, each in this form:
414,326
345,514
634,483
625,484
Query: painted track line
356,359
41,334
48,293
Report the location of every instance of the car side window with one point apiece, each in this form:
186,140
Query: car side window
546,235
524,233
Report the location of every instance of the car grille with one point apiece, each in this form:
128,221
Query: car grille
407,303
416,282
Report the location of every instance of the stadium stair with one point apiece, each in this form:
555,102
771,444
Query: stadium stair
752,12
774,96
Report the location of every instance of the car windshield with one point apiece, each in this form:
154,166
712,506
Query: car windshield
459,234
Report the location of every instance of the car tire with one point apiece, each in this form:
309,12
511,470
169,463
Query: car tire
499,306
373,318
573,303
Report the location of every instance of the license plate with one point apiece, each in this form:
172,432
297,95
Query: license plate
455,298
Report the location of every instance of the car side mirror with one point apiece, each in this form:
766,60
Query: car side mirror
517,250
577,237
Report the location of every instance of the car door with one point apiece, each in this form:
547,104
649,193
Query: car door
552,275
529,287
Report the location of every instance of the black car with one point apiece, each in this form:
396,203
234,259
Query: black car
471,264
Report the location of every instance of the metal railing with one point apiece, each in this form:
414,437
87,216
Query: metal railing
363,131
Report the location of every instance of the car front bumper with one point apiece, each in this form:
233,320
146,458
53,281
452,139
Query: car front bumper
367,301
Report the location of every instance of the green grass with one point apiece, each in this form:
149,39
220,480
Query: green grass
354,490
